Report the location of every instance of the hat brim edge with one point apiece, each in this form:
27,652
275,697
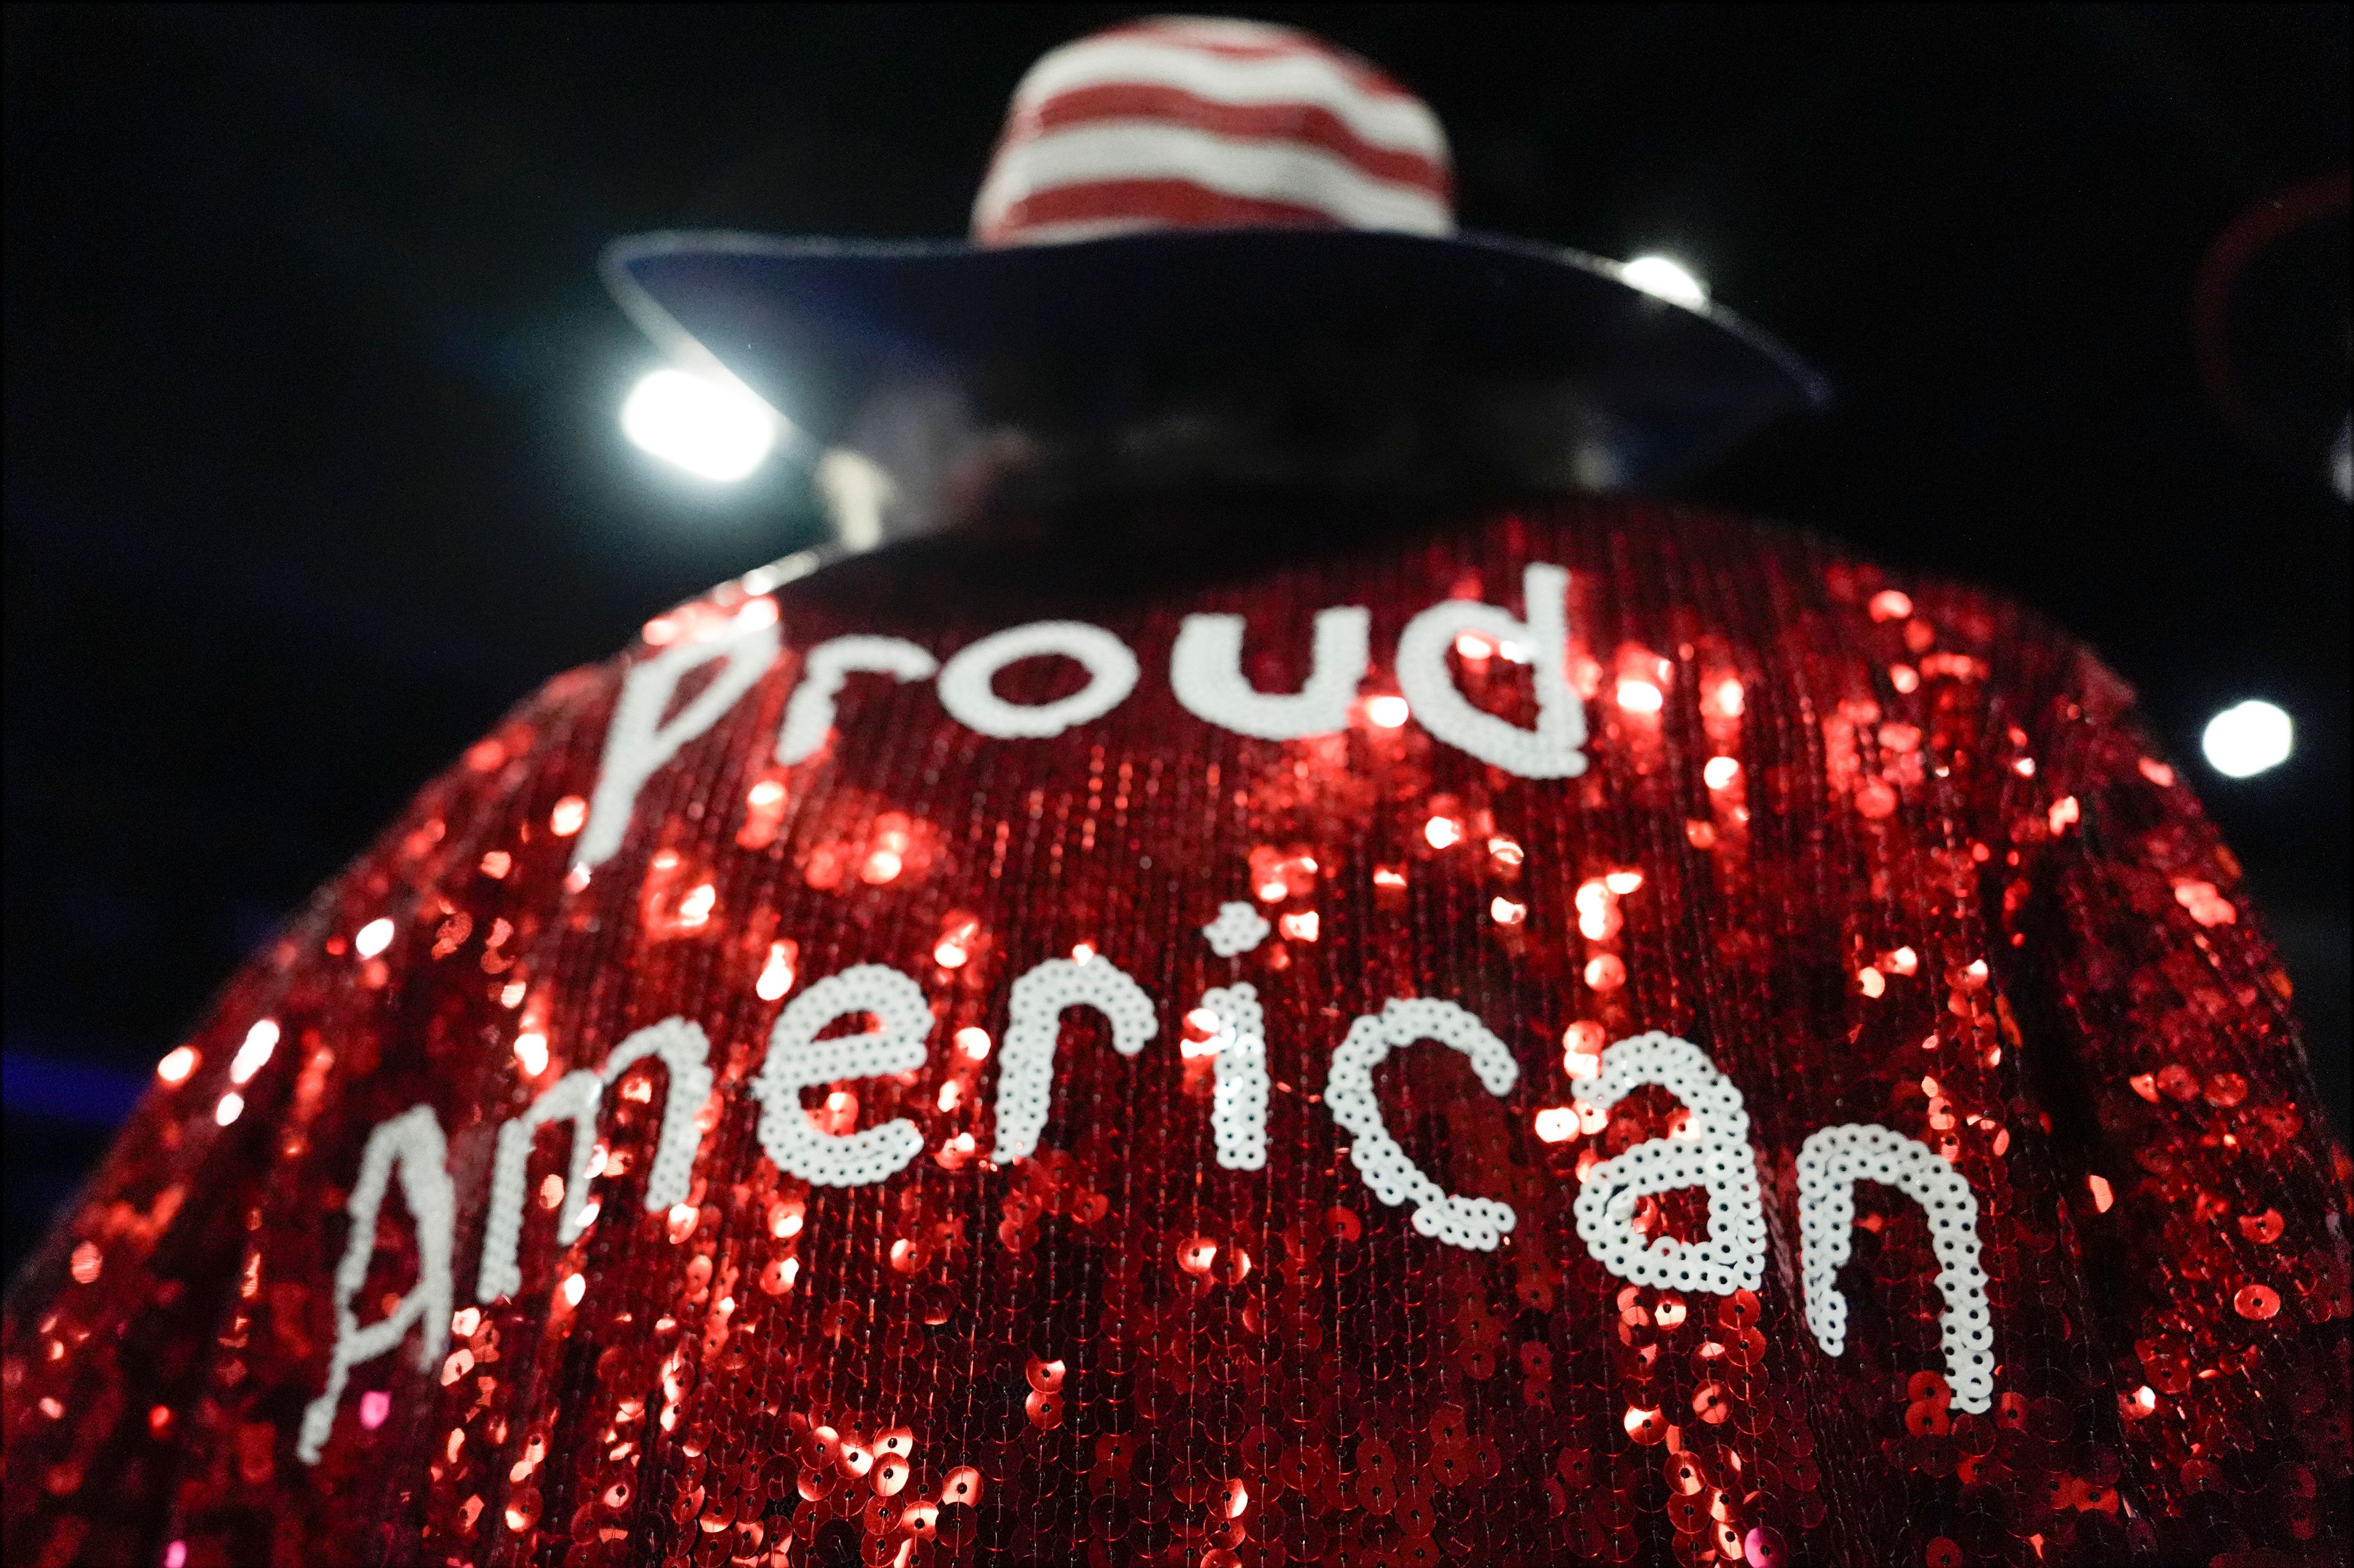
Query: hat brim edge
619,256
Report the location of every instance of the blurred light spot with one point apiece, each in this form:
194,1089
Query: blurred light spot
568,814
1558,1125
1206,1035
88,1264
231,1106
575,1287
2101,1196
1442,832
2207,906
531,1051
1622,883
1507,913
259,1042
1385,712
1582,1049
1665,278
1597,917
1889,604
973,1042
176,1064
715,429
2247,739
777,974
373,937
1639,696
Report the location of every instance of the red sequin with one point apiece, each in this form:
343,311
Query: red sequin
1885,854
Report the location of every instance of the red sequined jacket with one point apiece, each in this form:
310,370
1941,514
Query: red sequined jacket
1600,1033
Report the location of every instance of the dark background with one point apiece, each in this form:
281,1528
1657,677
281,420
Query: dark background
312,467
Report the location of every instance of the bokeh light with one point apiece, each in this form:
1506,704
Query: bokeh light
715,429
2247,739
1666,278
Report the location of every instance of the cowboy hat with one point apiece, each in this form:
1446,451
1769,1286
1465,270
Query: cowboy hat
1180,191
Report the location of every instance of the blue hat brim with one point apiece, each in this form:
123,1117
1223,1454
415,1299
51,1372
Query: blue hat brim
816,327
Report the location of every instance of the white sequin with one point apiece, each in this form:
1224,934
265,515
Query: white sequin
809,716
1238,928
1830,1162
798,1059
965,689
1205,671
1711,1153
1238,1103
1025,1073
412,1143
573,1098
681,1048
1551,750
637,741
1472,1222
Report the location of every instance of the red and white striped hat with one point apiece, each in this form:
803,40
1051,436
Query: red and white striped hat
1186,186
1195,122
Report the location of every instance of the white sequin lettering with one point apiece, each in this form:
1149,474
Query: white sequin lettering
410,1142
1205,671
1551,750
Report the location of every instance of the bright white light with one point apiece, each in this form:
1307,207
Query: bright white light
2246,738
1666,278
259,1042
715,429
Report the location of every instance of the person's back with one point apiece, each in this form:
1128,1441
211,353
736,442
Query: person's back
1215,1023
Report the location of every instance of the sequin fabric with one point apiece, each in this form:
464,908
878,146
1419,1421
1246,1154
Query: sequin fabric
1888,852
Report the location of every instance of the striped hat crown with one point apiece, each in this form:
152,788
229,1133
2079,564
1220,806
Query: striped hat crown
1201,123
